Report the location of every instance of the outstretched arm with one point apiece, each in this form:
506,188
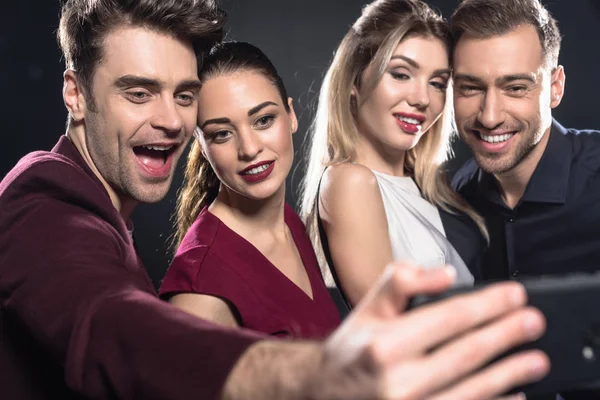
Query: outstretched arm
381,352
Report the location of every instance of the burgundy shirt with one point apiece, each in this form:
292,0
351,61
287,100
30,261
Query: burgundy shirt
79,317
214,260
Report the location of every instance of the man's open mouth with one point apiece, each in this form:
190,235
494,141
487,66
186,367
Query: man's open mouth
153,156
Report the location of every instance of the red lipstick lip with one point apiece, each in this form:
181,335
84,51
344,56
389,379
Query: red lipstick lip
418,117
258,164
253,178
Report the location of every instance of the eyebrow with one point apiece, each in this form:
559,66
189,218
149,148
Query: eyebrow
215,121
134,80
190,84
515,77
416,65
468,78
499,81
259,107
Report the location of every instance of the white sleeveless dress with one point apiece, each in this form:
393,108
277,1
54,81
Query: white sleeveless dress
415,227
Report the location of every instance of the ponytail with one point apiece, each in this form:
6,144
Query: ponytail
200,186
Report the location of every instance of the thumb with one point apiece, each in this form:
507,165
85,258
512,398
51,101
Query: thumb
401,281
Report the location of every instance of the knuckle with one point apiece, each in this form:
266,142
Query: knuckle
375,354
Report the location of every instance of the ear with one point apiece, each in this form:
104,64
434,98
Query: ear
292,115
73,96
557,86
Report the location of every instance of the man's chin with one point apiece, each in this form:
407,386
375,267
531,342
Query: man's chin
151,193
494,165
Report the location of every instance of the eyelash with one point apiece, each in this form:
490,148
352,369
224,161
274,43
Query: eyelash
270,119
184,100
133,96
267,124
215,136
399,76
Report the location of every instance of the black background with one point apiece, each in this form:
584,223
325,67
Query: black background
299,37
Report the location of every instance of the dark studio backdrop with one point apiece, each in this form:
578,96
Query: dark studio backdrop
299,37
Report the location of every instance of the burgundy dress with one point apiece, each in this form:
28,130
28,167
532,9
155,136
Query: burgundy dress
214,260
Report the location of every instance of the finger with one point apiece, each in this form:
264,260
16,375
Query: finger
399,282
473,350
513,371
518,396
430,325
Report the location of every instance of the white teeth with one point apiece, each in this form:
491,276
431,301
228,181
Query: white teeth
257,170
159,148
411,121
496,138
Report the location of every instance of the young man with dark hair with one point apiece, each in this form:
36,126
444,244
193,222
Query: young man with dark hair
534,181
79,317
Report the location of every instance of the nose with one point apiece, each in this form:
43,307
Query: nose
250,144
167,117
491,112
419,95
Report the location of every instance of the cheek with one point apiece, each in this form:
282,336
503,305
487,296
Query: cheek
189,116
221,158
438,101
465,108
280,141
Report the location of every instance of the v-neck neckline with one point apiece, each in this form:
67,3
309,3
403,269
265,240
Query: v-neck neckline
268,262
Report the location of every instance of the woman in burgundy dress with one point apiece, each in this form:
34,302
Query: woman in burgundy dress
243,257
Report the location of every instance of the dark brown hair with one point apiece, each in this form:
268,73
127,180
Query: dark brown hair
84,24
489,18
201,185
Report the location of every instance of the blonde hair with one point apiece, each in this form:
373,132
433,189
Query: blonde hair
370,43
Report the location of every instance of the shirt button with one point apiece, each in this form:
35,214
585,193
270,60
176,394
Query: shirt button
511,219
515,273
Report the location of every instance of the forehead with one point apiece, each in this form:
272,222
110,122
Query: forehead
228,94
425,50
147,53
518,51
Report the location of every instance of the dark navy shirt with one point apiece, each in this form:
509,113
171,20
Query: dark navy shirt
555,227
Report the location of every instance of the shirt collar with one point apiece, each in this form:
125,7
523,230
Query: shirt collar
550,180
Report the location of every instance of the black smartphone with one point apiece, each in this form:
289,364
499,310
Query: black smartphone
571,306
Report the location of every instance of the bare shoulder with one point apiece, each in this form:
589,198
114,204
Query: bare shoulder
348,188
348,179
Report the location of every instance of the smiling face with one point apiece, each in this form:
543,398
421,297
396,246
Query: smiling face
409,97
145,106
503,95
246,133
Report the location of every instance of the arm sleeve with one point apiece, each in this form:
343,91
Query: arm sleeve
70,282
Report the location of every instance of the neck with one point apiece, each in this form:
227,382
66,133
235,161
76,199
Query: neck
246,215
376,157
123,204
514,182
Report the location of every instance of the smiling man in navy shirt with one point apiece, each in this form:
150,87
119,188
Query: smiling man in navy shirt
535,182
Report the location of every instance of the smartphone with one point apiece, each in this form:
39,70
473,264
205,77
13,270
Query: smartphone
571,306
